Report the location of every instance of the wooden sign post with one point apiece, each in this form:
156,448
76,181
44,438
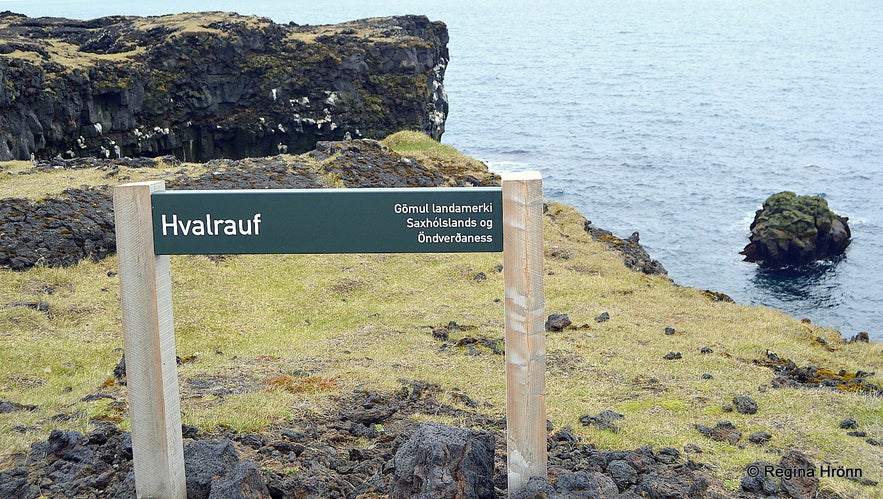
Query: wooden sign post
149,345
525,327
152,223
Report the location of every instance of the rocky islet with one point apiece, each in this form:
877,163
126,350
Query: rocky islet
792,231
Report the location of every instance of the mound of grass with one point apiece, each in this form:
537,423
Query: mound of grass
418,145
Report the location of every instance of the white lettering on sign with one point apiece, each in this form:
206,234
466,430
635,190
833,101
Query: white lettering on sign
461,216
458,208
410,208
431,223
423,237
211,226
443,208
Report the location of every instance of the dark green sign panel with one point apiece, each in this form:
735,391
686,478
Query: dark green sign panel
422,220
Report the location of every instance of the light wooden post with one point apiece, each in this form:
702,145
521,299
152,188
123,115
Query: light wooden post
525,330
149,341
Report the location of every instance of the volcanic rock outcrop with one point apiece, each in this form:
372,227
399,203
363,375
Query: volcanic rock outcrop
78,224
211,85
792,230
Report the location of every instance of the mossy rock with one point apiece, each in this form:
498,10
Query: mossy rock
792,230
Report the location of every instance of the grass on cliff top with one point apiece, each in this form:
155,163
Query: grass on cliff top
19,179
282,336
416,145
68,54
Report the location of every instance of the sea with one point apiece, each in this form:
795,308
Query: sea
675,119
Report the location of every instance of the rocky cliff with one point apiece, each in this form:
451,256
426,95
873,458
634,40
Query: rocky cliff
209,85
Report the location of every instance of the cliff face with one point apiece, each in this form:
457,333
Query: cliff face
211,85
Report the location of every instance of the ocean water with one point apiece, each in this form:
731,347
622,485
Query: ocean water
673,118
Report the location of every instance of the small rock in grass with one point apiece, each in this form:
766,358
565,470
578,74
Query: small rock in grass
557,322
745,405
759,437
693,449
861,337
803,482
604,420
9,406
849,424
724,431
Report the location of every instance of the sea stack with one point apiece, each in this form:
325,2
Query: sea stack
792,230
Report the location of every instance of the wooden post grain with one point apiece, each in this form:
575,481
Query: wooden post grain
149,344
524,325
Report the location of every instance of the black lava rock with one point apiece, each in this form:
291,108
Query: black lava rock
724,431
587,484
757,481
745,405
803,481
557,322
442,461
849,424
759,437
604,420
204,460
242,482
634,255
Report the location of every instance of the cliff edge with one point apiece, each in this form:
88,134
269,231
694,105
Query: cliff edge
211,85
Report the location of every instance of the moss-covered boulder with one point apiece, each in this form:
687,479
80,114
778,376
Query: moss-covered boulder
792,230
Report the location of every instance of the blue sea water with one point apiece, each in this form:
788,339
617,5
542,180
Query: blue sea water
673,118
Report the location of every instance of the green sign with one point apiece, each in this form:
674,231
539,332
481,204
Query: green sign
420,220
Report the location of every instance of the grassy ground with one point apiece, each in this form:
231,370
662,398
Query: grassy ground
285,334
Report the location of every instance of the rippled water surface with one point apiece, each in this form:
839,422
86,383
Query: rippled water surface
674,118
